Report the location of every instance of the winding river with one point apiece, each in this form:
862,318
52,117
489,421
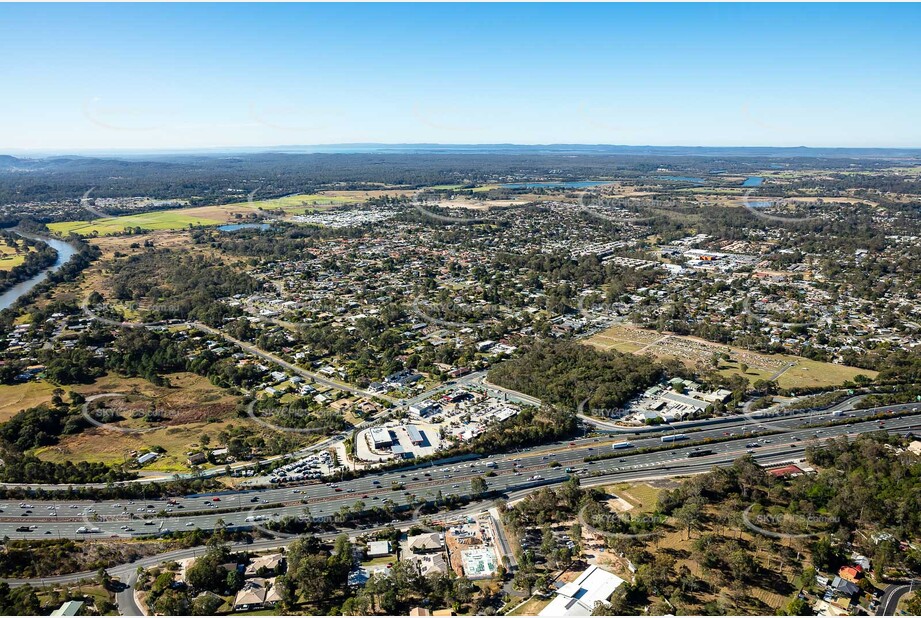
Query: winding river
65,252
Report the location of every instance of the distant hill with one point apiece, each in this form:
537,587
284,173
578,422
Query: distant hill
512,149
7,162
612,149
220,176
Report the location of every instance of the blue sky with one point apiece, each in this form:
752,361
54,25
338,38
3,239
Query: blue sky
113,76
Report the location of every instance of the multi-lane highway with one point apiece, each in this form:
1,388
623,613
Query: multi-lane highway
513,472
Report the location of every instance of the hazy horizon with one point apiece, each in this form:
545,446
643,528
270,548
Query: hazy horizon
477,148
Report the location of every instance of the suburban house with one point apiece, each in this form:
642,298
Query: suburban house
430,563
425,543
256,593
578,598
851,573
272,564
845,588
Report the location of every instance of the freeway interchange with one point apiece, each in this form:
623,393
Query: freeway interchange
769,440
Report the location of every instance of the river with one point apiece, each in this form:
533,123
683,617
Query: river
65,252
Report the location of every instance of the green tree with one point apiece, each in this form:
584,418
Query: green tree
797,607
478,486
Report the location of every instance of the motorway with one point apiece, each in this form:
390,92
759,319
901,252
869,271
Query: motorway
472,380
513,472
127,573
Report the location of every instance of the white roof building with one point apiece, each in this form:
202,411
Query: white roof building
578,598
380,437
147,457
70,608
378,548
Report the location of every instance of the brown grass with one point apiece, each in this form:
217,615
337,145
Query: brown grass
804,373
15,398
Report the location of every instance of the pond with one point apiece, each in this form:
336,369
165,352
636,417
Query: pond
691,179
233,227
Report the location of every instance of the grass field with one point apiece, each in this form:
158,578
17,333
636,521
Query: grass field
16,397
642,496
180,218
11,257
295,204
112,447
194,404
159,220
790,371
379,561
95,592
10,261
531,607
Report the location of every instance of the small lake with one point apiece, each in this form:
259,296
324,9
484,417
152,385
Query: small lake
581,184
65,252
753,181
690,179
233,227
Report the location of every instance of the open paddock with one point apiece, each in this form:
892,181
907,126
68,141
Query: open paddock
789,371
11,257
181,218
